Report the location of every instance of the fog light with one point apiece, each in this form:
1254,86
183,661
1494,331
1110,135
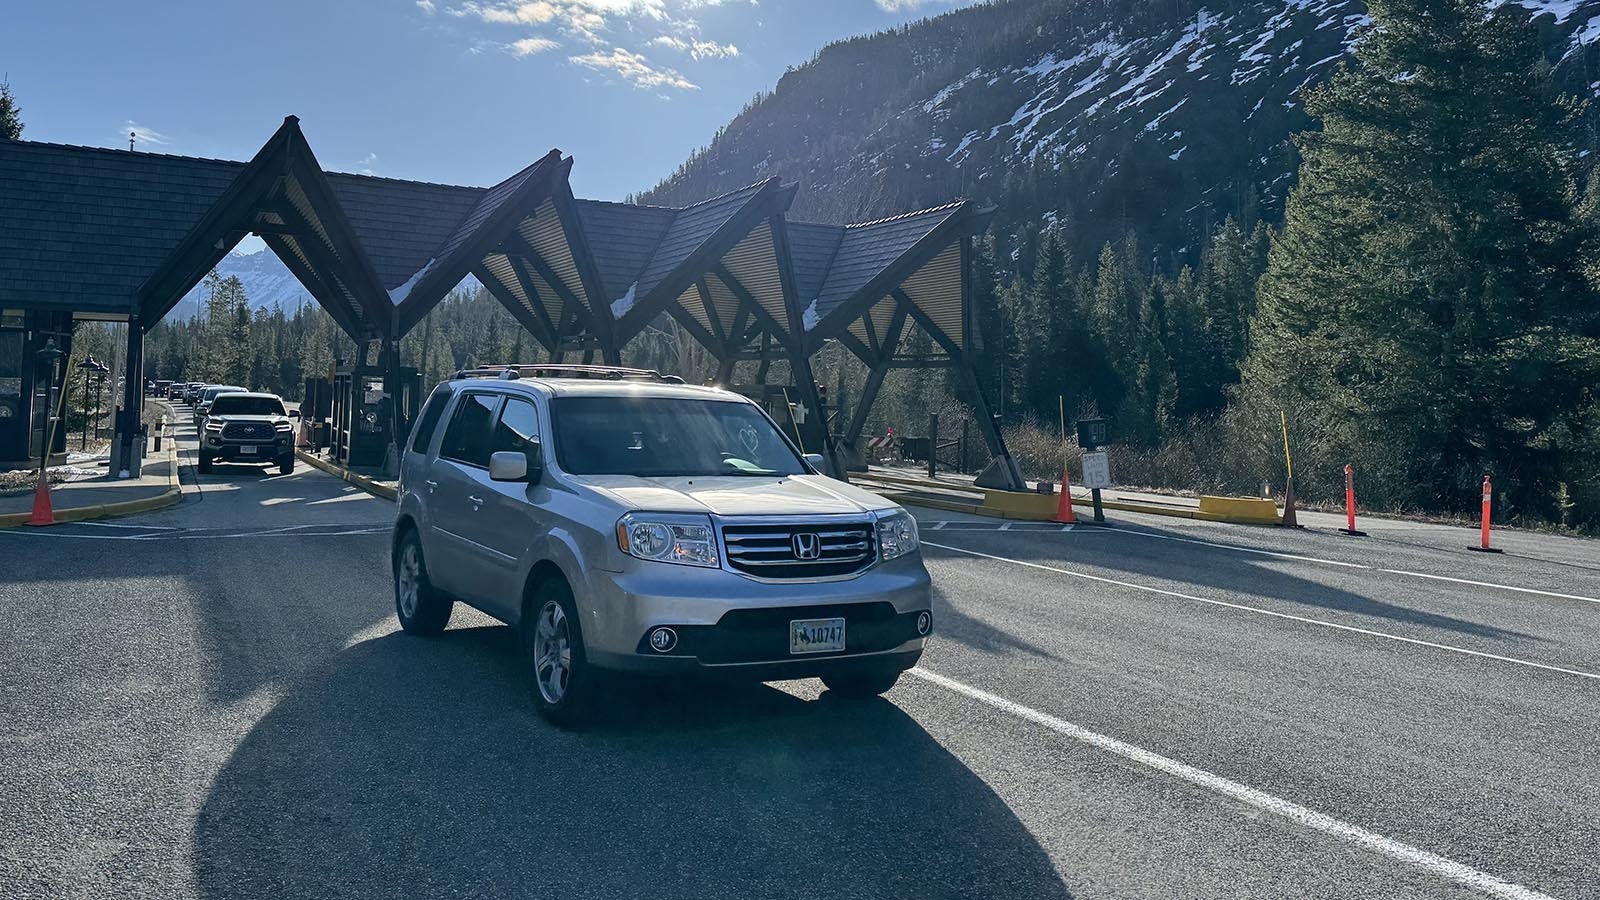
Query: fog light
663,639
924,622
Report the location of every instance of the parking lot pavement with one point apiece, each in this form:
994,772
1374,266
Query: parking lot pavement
214,701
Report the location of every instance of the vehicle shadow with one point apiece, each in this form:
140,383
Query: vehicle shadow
417,768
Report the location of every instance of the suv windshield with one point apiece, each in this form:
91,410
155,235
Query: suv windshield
655,436
229,405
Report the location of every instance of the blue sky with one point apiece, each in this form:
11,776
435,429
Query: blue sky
456,91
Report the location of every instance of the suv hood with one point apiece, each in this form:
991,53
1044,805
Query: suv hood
737,495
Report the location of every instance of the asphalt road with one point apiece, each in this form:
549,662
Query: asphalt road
213,701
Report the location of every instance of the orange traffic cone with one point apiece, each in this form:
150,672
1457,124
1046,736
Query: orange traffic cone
1288,506
43,514
1064,505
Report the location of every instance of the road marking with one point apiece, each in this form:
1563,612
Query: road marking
1351,565
1415,857
1268,612
146,538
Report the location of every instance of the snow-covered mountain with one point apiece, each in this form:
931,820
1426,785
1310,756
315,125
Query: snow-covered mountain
1114,115
267,283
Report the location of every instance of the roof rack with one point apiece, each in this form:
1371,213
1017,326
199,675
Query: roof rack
514,371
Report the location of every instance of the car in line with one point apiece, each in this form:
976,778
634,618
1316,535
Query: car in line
623,521
211,392
245,427
175,392
191,391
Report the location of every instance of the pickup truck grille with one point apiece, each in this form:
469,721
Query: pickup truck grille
786,550
244,431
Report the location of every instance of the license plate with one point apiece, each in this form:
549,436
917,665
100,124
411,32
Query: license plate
816,635
248,450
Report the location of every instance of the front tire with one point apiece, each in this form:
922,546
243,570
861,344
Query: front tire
205,462
862,683
563,681
420,608
286,466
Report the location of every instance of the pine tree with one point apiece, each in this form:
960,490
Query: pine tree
1422,306
10,114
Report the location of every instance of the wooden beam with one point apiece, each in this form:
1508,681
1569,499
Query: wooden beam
934,331
712,315
320,291
526,319
707,339
539,310
588,269
748,301
516,246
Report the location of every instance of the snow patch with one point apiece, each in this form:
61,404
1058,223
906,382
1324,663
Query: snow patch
398,295
811,317
621,305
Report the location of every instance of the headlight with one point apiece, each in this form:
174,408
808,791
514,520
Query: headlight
690,543
213,426
897,535
283,426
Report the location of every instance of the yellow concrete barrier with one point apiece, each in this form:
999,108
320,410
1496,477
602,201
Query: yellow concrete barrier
1244,510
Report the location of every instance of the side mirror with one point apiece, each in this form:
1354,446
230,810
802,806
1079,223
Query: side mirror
508,466
815,461
294,413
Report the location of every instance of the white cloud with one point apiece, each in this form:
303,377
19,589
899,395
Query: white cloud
634,68
142,135
426,6
905,5
697,49
531,45
366,163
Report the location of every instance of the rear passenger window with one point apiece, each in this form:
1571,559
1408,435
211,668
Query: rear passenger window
518,426
467,438
428,422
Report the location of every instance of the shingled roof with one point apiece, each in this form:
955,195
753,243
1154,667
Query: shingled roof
88,229
83,227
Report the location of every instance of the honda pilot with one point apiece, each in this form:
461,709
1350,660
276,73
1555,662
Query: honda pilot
625,522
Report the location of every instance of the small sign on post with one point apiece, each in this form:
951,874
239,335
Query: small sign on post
1092,435
1096,470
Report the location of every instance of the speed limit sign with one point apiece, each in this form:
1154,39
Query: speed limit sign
1096,470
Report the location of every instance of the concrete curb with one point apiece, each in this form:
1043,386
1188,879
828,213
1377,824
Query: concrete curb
345,475
170,497
1042,507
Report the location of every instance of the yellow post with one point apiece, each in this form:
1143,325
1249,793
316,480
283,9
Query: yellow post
1284,421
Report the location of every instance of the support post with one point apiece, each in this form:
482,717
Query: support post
933,445
1009,475
127,454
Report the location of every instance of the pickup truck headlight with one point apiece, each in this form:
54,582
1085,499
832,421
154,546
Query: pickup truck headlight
213,426
672,540
897,535
283,426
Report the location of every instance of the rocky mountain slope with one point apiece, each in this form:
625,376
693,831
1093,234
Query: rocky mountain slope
1159,118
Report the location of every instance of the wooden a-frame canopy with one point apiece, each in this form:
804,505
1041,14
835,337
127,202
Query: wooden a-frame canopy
112,232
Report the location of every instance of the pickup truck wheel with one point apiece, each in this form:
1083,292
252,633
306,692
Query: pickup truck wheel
205,462
862,682
420,608
286,466
563,682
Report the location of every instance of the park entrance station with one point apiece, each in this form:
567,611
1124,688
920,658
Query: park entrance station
92,234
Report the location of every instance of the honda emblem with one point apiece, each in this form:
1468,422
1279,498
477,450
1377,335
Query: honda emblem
807,546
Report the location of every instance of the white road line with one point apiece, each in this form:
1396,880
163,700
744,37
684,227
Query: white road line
1350,565
1267,612
147,538
1415,857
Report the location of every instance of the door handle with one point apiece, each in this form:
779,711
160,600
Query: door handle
475,501
431,484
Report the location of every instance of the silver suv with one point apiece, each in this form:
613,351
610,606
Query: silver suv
625,521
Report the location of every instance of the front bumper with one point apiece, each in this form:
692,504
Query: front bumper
266,451
729,623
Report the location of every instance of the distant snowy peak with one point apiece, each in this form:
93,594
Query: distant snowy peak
267,283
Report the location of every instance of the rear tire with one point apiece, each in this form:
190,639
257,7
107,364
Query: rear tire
205,462
552,639
862,683
420,608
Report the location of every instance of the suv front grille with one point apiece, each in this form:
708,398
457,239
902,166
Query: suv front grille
242,431
784,550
